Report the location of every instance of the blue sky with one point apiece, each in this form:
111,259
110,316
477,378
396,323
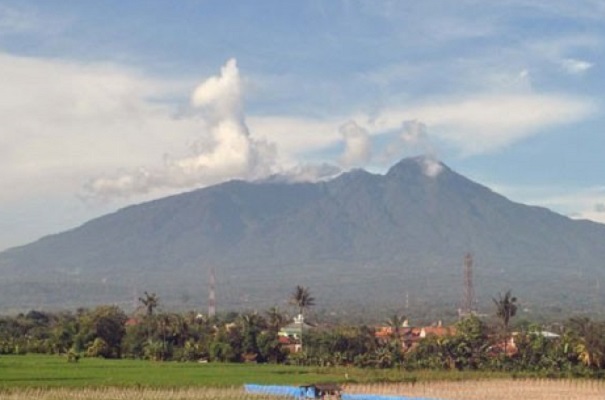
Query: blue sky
105,104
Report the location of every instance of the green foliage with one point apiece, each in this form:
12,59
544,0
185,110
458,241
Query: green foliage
73,356
589,341
269,348
99,348
102,332
339,346
506,307
157,351
150,302
301,298
106,325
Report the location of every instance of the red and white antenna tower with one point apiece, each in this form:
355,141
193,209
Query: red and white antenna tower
469,292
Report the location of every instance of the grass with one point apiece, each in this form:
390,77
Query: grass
53,378
54,371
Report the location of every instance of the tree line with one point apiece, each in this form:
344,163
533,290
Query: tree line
107,331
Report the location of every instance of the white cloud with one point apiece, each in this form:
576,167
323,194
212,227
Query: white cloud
584,203
295,136
64,122
477,124
412,139
575,202
358,148
221,94
226,151
576,67
482,124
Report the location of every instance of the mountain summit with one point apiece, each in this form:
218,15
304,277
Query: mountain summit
358,240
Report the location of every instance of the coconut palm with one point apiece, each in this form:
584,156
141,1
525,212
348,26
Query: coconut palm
252,325
506,308
150,301
275,319
396,321
301,298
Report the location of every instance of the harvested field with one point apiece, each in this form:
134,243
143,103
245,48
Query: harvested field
500,389
463,390
129,393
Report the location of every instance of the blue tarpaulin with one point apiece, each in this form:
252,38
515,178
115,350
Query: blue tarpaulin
299,393
288,391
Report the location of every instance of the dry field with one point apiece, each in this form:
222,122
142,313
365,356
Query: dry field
504,389
463,390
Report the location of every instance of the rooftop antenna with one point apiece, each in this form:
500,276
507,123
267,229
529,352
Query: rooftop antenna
212,295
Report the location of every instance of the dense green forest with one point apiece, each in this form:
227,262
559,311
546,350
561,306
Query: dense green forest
106,331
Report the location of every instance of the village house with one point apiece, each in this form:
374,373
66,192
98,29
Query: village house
289,335
410,336
510,345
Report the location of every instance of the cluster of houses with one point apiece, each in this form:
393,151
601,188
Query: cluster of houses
411,336
289,335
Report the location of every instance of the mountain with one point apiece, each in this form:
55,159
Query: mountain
361,241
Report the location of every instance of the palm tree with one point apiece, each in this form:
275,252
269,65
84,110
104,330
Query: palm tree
396,322
150,301
252,324
275,319
301,297
506,308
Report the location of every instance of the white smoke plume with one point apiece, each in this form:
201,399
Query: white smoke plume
358,147
431,166
309,173
414,139
224,150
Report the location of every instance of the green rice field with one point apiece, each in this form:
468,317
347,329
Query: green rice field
53,378
54,371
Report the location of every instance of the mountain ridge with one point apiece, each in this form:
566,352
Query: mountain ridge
357,238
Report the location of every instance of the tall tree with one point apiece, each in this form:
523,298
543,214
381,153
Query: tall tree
150,301
105,328
396,321
506,308
252,325
275,319
301,298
